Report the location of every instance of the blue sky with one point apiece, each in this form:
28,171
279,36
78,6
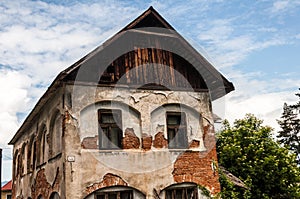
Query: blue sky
255,44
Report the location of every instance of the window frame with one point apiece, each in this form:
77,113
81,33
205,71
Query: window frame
118,193
180,127
170,193
117,117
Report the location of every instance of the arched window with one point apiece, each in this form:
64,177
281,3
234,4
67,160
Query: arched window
55,134
116,192
182,191
15,163
54,195
41,145
179,124
30,154
22,160
114,121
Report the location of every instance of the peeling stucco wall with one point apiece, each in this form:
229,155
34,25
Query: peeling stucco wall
147,164
41,172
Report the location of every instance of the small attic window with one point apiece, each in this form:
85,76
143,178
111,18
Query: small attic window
108,75
110,133
177,133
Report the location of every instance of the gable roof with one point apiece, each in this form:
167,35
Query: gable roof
149,25
150,18
7,186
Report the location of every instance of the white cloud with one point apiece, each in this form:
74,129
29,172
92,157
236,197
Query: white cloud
14,98
255,93
279,6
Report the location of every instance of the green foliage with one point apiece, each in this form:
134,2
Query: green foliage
290,128
248,151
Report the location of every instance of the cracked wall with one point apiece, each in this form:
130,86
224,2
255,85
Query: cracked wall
145,162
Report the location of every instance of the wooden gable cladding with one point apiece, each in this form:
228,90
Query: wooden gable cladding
151,68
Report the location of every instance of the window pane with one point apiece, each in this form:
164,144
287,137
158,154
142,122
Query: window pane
171,138
104,141
174,119
126,195
107,118
181,138
112,196
176,126
100,196
114,137
110,134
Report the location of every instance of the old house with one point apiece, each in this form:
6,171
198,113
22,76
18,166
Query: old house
132,119
6,190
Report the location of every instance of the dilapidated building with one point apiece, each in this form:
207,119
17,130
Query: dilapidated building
132,119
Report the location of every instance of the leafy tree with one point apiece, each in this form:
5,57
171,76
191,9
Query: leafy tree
248,151
289,134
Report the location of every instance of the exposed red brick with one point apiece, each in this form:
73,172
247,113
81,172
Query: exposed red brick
160,141
194,166
90,142
42,186
194,144
109,179
130,141
146,142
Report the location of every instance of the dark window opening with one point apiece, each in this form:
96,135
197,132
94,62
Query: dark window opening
108,75
110,133
176,126
115,195
182,193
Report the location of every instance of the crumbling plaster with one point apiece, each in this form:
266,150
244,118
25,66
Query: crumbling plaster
143,169
25,183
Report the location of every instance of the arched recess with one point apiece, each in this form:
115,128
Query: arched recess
15,163
23,159
30,154
41,144
54,195
179,124
122,117
55,133
116,192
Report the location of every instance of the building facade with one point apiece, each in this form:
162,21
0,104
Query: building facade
132,119
6,190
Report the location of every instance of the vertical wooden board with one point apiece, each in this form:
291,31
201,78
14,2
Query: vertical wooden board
159,66
154,61
144,62
126,67
150,66
117,72
131,66
172,69
136,58
140,68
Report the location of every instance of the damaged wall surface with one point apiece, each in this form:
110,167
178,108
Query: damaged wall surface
137,126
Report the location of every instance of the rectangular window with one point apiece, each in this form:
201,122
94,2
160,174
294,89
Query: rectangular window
115,195
176,127
110,133
8,196
182,193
